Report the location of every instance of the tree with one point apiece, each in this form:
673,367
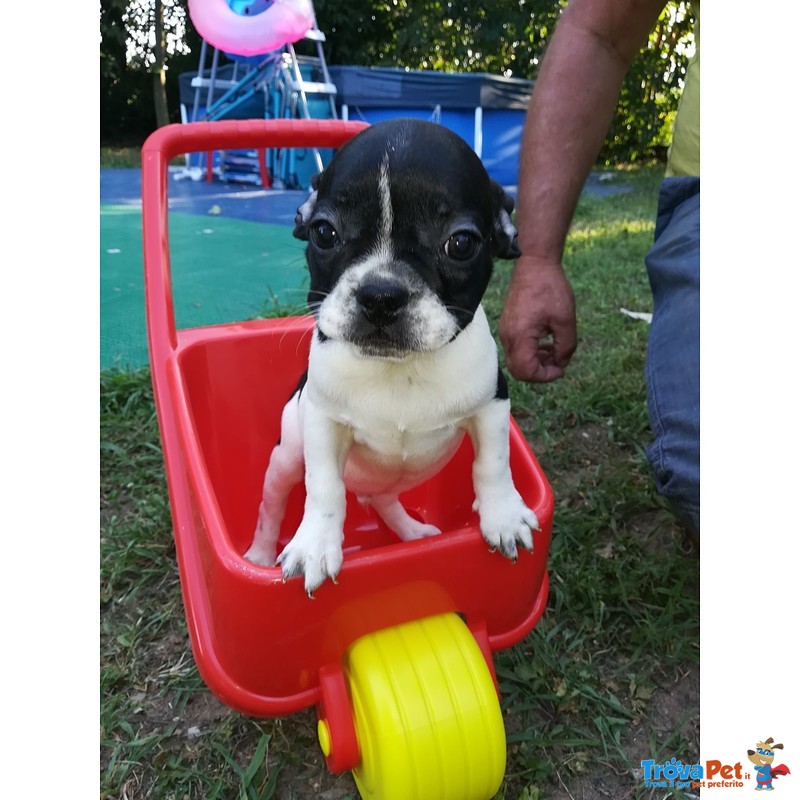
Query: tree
509,37
146,43
155,28
140,40
652,88
505,37
158,70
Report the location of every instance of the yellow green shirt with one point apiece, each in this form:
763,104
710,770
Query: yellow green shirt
684,152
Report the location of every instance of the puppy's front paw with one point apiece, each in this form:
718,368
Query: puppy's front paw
506,521
315,551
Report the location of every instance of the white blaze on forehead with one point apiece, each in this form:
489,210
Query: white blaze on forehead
385,198
381,254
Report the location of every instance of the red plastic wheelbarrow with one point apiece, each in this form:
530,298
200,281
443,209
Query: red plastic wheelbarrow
396,657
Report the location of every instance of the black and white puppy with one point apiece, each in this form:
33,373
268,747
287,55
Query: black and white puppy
402,229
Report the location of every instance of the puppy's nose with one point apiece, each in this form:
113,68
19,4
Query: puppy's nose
381,300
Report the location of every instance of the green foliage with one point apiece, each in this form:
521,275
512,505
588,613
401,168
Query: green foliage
127,111
507,37
649,98
504,38
126,104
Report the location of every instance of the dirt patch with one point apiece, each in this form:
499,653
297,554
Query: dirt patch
670,727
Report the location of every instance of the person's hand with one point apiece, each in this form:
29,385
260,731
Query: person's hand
537,326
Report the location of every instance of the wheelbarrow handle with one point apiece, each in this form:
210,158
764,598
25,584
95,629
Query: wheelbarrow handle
173,140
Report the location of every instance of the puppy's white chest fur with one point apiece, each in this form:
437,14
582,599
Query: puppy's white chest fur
406,418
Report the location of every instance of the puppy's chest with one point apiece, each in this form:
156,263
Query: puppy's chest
401,420
406,442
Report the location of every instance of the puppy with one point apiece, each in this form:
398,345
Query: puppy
402,229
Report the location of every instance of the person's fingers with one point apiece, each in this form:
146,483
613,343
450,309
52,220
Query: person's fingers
546,373
534,353
532,360
565,341
537,324
521,348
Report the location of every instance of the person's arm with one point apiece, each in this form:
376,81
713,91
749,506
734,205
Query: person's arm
574,98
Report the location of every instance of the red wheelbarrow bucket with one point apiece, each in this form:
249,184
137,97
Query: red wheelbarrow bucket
260,644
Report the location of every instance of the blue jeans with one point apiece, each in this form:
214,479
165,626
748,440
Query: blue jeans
673,350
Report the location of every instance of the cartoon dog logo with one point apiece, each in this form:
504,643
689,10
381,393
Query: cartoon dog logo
762,757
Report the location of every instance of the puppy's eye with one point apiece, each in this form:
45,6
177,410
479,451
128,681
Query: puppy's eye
461,246
324,235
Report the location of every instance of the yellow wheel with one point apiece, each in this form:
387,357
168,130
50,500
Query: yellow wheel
426,714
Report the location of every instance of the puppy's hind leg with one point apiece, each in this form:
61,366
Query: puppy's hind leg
391,511
284,472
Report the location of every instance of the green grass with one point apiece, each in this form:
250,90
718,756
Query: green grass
120,157
609,675
130,157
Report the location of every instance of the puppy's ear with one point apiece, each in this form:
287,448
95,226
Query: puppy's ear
304,212
504,236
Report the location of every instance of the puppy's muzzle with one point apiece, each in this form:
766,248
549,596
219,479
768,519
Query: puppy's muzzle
381,300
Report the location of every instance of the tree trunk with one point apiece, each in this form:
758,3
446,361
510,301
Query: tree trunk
158,71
